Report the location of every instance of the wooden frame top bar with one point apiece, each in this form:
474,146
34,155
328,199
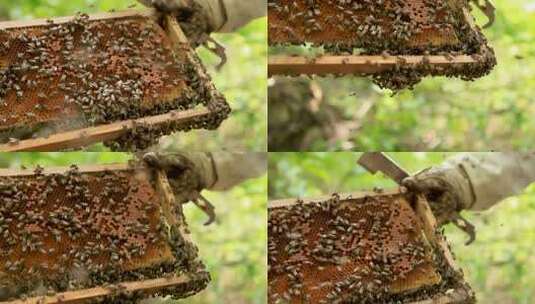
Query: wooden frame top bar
8,172
322,65
343,196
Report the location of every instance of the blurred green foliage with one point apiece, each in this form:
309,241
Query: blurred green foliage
243,79
442,114
498,265
233,249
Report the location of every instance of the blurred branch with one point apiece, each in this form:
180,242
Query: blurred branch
345,130
239,262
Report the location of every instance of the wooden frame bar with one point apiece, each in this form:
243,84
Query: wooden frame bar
149,286
169,202
82,296
343,196
424,213
60,170
79,138
87,136
360,65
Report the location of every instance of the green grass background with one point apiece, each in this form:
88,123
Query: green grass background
233,249
498,265
442,114
243,80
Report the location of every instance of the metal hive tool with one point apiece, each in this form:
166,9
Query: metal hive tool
102,232
359,248
85,72
423,36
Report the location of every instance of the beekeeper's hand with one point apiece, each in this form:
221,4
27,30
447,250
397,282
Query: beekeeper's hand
216,15
188,173
218,171
198,18
474,181
447,188
169,6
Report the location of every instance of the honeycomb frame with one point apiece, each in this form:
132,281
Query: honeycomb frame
154,271
432,57
460,294
157,110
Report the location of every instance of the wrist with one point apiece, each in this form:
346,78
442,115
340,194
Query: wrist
203,165
215,12
462,186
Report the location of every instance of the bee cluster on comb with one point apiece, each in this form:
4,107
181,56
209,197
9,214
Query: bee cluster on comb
77,230
88,72
365,250
386,28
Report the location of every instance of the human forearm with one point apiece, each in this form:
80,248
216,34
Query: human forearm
496,176
222,15
218,171
232,169
241,12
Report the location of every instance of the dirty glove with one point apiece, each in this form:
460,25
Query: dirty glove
221,15
447,188
219,171
206,16
188,173
473,181
477,181
197,18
